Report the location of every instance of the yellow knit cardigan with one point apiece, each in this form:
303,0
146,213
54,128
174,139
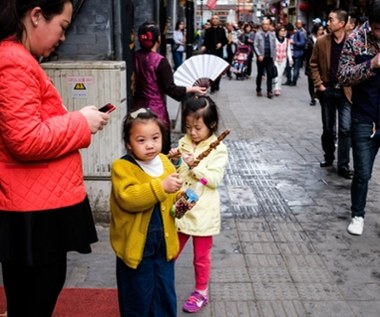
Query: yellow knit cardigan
133,197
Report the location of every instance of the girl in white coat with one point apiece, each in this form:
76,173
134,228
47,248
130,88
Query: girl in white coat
202,222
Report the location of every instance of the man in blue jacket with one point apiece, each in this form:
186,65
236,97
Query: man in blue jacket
359,67
299,41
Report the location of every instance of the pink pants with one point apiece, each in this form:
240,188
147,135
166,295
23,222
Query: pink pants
201,258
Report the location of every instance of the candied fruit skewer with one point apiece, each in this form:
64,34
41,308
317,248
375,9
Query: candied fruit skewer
211,147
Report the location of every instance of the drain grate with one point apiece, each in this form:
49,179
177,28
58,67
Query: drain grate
247,190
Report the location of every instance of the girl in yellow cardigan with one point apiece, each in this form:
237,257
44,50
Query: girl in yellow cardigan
142,231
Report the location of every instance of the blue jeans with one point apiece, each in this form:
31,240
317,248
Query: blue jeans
178,59
364,149
148,290
296,68
332,100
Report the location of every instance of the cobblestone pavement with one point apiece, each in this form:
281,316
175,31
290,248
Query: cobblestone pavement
283,249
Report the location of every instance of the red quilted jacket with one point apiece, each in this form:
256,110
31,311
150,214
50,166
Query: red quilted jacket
40,165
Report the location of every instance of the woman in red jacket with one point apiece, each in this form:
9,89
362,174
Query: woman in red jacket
44,211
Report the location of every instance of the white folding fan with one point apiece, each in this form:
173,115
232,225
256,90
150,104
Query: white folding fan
200,70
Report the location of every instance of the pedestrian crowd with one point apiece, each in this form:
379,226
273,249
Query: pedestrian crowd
162,196
339,59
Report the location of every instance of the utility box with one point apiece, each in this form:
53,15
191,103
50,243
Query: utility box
82,83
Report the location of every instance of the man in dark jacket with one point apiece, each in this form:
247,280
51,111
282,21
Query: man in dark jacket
214,40
359,67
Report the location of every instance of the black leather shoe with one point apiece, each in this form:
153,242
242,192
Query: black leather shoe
325,163
345,173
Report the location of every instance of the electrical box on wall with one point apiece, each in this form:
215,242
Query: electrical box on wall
82,83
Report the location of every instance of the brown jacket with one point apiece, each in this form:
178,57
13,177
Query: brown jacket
320,63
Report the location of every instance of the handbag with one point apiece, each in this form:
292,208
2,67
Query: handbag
175,47
274,71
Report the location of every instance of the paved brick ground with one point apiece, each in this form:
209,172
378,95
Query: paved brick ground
283,250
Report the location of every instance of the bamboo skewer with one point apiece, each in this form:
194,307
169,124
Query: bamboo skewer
211,147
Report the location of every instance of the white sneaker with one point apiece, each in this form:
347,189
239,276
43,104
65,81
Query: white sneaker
356,226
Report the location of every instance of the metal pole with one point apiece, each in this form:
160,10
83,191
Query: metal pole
201,14
244,17
189,28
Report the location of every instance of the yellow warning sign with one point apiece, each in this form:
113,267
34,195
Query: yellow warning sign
79,86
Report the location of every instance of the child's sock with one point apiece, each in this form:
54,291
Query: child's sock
203,292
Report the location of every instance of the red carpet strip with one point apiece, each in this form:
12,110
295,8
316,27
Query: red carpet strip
81,302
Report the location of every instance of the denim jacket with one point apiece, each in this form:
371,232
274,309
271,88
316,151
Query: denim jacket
259,45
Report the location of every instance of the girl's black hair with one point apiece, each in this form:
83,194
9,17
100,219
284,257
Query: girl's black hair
202,107
138,115
148,34
13,11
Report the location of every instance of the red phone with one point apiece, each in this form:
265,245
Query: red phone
109,107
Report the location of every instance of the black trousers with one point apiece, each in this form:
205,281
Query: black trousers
216,84
266,65
32,291
310,87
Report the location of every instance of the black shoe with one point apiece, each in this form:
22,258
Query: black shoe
292,84
287,83
312,102
325,163
345,173
270,95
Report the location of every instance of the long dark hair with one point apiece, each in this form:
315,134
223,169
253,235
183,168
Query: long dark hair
178,24
315,28
13,11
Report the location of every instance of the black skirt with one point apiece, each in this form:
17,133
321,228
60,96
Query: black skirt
36,238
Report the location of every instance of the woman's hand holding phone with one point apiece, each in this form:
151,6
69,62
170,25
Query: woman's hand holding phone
108,108
96,119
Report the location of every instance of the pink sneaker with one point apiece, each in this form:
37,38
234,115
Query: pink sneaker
195,302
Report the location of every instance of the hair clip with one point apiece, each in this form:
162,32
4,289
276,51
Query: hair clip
136,113
148,36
